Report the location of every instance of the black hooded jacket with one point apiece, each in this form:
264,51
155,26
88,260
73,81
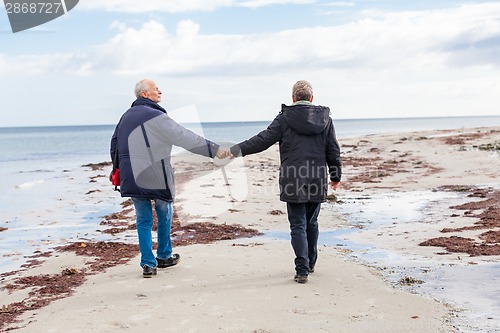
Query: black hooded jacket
309,151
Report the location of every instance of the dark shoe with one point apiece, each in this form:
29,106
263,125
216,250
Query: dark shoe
172,261
311,269
148,272
300,278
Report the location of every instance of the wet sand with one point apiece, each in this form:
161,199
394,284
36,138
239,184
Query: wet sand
427,210
233,284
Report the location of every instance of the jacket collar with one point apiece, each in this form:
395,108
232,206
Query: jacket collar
148,102
302,103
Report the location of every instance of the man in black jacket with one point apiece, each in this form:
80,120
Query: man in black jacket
143,139
309,153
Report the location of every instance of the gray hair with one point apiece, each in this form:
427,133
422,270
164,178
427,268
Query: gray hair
302,91
141,86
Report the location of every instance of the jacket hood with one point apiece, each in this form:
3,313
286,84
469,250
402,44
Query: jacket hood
306,119
148,102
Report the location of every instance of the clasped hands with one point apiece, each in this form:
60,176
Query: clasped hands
222,153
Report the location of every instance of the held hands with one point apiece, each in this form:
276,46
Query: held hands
222,153
221,158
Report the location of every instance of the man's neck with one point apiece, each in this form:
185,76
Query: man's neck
302,103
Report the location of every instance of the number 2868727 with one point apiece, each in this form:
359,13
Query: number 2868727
33,7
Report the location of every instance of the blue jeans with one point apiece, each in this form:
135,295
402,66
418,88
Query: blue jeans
144,224
303,218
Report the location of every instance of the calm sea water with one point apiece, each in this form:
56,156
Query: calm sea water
43,183
91,143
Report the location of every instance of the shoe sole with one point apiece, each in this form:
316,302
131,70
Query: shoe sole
170,265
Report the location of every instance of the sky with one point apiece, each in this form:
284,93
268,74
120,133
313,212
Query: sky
237,60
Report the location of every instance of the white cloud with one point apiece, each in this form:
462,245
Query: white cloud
177,6
76,64
263,3
118,26
154,6
340,4
461,37
466,36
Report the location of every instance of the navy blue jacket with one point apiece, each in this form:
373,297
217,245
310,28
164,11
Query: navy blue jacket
308,147
144,137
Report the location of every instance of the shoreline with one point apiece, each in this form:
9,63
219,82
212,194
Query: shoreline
251,201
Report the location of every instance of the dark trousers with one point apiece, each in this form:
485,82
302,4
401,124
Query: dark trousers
303,218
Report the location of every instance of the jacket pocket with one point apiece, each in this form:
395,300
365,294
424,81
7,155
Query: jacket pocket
169,173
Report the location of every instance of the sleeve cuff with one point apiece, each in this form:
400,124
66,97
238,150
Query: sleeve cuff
235,150
213,148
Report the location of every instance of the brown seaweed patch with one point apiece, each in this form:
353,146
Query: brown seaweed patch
49,285
107,254
32,263
462,138
119,222
463,245
489,218
44,289
115,230
455,188
206,232
374,169
97,166
357,162
40,254
491,237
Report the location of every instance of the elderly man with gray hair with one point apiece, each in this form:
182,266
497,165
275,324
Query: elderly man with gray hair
140,148
309,154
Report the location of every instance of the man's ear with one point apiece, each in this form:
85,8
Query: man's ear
293,99
312,97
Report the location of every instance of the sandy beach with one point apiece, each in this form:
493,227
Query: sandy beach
431,197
